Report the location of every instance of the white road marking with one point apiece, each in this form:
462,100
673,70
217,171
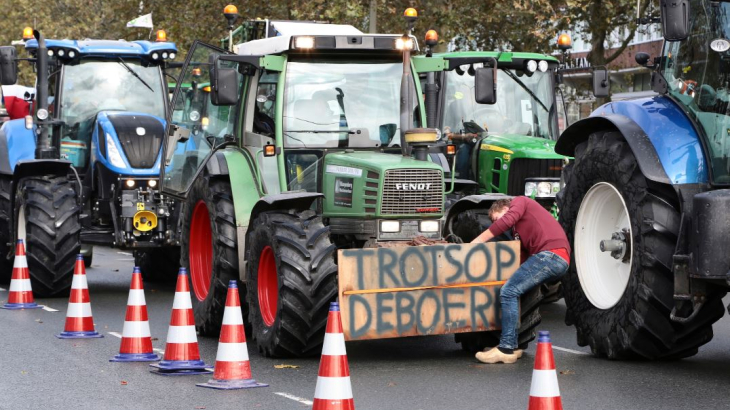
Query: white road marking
49,309
115,334
2,289
295,398
125,253
562,349
160,351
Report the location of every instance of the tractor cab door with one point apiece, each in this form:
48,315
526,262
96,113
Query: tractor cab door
197,127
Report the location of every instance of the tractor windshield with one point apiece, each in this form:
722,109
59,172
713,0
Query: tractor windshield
698,73
525,105
100,85
335,104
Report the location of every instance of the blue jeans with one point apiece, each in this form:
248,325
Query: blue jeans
537,269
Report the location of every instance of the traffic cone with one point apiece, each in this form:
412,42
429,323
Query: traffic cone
20,295
136,340
79,322
544,391
334,390
232,368
182,356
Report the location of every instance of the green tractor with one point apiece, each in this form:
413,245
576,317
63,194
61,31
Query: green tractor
308,143
506,147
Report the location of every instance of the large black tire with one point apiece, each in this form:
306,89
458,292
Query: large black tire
213,199
158,265
467,226
639,325
300,268
6,262
52,231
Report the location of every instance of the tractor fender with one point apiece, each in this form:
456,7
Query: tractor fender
663,139
470,202
17,143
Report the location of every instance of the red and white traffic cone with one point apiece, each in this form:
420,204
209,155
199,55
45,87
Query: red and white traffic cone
544,391
182,356
334,390
20,295
232,368
136,340
79,322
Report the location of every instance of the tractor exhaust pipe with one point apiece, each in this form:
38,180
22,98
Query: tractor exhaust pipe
43,147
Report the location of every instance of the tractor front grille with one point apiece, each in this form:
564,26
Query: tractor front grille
412,191
523,168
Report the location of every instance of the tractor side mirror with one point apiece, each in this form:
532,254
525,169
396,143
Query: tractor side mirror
675,19
486,85
175,134
224,90
642,58
601,82
8,66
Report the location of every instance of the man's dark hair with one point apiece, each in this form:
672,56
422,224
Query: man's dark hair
498,205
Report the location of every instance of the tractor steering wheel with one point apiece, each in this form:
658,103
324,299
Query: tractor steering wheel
687,87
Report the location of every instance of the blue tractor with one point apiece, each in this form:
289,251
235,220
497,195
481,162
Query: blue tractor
84,168
647,201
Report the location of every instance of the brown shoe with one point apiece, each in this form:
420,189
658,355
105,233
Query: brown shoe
496,356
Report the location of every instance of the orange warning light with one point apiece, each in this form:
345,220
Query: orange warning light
410,12
432,37
161,35
564,41
230,9
27,33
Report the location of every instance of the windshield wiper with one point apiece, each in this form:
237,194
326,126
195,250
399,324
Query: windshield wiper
524,87
121,61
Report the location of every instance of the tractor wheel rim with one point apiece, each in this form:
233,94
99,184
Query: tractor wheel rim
268,286
21,225
201,251
603,278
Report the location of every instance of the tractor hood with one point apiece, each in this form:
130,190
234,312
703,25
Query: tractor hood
378,185
131,142
521,146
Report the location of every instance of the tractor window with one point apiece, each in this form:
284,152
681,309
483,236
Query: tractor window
265,106
699,79
192,109
525,105
342,104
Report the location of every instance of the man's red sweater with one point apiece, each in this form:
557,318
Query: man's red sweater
536,228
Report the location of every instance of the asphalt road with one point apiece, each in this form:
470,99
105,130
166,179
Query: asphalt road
39,371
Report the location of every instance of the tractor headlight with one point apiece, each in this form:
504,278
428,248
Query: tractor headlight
155,56
130,183
542,66
429,226
42,114
304,42
172,56
113,152
532,66
530,187
164,55
389,226
544,189
152,183
556,187
71,54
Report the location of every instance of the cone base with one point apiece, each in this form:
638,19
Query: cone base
231,384
135,357
19,306
79,335
181,372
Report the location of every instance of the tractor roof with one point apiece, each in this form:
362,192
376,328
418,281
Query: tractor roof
283,36
106,48
501,56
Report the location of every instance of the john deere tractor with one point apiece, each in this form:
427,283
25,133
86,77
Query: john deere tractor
647,202
308,142
84,167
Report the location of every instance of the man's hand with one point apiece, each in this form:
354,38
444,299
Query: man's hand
483,237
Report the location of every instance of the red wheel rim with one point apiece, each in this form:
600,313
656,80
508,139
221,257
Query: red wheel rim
268,286
201,251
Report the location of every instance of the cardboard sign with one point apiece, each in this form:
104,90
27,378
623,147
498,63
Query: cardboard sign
423,290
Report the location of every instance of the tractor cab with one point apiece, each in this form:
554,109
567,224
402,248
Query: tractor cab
507,146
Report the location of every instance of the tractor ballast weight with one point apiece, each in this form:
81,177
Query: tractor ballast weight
92,147
659,167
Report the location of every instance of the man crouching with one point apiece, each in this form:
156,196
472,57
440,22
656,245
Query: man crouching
549,256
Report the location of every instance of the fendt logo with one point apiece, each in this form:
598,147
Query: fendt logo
412,187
